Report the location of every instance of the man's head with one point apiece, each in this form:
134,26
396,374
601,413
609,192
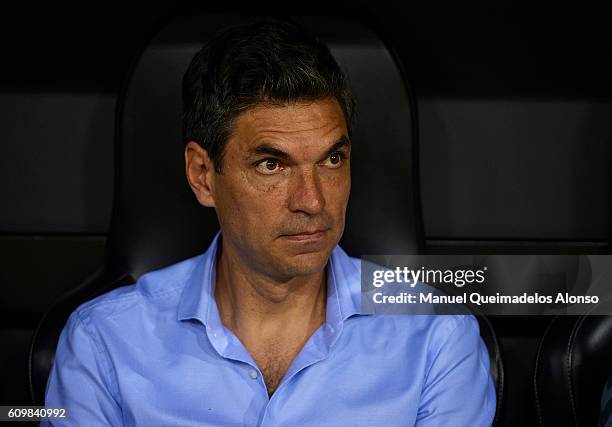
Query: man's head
266,127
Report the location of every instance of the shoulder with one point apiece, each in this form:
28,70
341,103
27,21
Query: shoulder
433,331
350,268
155,291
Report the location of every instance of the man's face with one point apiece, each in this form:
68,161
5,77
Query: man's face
282,195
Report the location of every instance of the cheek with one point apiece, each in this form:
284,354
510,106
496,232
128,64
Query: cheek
338,188
252,203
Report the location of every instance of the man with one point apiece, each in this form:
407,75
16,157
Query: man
264,328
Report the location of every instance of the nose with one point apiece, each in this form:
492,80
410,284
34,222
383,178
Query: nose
305,193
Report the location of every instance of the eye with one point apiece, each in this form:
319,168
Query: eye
268,166
334,160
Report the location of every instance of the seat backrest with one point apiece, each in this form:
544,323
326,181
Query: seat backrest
156,219
572,366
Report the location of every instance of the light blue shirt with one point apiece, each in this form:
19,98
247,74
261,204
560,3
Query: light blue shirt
156,354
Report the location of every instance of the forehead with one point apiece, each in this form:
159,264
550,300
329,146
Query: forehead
305,122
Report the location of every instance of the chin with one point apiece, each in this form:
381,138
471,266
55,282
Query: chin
306,264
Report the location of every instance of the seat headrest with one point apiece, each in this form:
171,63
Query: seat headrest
157,220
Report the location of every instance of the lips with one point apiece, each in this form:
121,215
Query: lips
306,234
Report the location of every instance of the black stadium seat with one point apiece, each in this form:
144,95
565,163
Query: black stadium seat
156,220
572,366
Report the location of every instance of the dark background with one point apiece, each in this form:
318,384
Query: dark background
515,116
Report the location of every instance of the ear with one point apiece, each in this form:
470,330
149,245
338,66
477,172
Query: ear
201,173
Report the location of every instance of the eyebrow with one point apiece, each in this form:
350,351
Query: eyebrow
266,149
342,143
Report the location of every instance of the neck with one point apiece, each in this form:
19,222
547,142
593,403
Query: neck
253,304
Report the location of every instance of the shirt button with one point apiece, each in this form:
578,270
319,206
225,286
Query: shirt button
253,374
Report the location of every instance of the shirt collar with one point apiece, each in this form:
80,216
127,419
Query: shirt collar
198,300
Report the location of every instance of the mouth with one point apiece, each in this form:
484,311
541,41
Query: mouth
306,235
